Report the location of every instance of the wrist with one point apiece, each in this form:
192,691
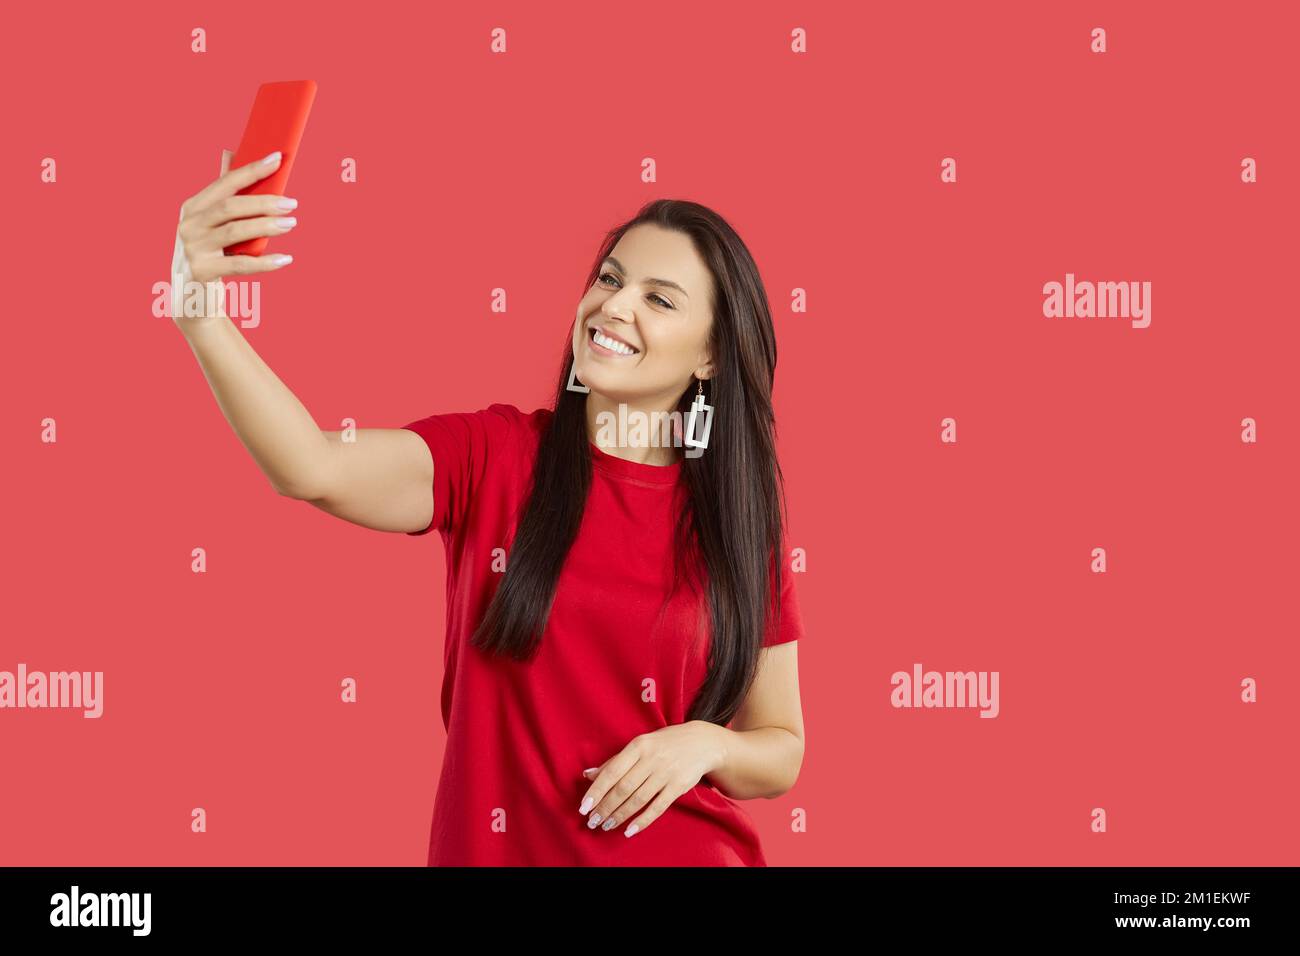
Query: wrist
200,326
720,737
197,305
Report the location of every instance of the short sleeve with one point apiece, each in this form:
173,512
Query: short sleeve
462,445
789,625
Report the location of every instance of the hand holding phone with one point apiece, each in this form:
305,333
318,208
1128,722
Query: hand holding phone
215,216
224,227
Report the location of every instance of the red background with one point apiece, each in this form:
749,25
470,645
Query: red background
476,171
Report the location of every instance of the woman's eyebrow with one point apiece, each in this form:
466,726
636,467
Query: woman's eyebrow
662,282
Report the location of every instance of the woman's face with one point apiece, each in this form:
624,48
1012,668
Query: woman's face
654,293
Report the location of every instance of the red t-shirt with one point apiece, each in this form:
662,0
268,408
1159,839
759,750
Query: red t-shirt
519,734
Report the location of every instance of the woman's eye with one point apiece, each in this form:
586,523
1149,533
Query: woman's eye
609,275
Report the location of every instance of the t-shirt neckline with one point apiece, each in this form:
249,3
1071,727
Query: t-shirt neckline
622,467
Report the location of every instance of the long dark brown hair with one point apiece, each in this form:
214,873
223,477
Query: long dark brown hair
731,520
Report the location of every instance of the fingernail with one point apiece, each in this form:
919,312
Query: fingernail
591,770
592,821
271,158
586,805
287,222
610,824
630,830
282,260
286,203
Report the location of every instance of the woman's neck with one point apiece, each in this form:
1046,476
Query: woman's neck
642,433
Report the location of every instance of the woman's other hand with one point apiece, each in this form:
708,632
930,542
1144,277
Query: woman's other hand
651,772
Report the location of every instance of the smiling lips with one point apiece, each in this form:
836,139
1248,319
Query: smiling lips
606,344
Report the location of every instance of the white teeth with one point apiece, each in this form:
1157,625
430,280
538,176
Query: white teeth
612,344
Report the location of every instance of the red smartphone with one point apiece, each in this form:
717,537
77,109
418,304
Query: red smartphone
277,121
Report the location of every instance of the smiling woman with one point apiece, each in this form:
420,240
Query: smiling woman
621,627
639,603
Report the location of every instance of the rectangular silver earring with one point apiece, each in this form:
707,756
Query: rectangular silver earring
573,372
698,406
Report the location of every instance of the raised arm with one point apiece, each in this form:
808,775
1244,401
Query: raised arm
382,480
